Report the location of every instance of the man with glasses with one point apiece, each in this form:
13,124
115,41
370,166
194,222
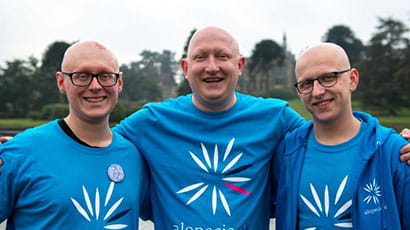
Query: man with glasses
209,152
340,171
75,173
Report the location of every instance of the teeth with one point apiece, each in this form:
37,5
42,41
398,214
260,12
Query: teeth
322,103
94,99
213,79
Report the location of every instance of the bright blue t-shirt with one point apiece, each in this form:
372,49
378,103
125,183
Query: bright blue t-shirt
210,170
50,181
327,183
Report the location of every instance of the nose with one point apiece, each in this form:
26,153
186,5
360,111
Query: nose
317,88
212,65
94,84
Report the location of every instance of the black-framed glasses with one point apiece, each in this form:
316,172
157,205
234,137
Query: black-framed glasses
85,79
326,80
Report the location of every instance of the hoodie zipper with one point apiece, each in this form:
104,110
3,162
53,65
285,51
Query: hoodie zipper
381,176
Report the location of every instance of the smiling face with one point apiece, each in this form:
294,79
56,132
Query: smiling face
331,104
91,103
212,68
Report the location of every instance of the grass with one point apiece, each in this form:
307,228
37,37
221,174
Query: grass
20,122
398,122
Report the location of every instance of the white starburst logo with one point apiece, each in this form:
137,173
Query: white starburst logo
323,211
226,173
374,192
94,212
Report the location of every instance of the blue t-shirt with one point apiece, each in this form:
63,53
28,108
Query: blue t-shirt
210,170
327,184
49,181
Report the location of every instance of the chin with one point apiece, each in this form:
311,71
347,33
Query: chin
100,116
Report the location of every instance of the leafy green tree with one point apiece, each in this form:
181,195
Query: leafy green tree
402,76
266,55
185,51
184,87
138,87
159,67
344,36
45,80
385,69
53,56
16,87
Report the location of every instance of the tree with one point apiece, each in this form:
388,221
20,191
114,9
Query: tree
151,78
266,55
16,87
185,52
53,56
344,36
385,69
402,76
45,81
159,67
184,87
138,87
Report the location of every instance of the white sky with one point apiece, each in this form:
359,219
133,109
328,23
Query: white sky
129,26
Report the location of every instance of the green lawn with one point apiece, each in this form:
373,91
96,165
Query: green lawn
20,122
398,122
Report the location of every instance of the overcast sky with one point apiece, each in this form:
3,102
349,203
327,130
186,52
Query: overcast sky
130,26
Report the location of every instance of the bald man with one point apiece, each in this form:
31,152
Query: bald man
209,152
340,171
75,173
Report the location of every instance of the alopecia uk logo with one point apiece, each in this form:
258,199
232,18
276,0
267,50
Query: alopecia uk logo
92,211
372,198
373,192
228,172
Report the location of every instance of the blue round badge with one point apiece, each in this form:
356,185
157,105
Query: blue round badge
115,173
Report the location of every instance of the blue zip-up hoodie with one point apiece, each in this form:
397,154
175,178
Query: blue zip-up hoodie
379,169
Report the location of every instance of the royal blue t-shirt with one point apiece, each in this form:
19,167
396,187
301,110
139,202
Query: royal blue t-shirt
210,170
327,183
50,181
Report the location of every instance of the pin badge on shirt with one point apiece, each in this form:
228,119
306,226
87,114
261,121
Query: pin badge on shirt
115,173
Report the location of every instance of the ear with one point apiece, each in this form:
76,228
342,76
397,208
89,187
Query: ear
60,82
184,67
241,64
120,83
354,79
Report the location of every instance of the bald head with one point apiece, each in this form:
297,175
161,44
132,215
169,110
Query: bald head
323,57
90,51
212,33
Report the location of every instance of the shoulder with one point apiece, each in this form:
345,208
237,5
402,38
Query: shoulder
123,143
299,134
249,99
267,106
28,147
125,149
181,101
32,136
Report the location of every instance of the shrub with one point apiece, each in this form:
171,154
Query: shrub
281,93
35,115
124,109
54,111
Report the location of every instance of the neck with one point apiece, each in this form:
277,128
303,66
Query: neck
336,132
214,106
95,134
